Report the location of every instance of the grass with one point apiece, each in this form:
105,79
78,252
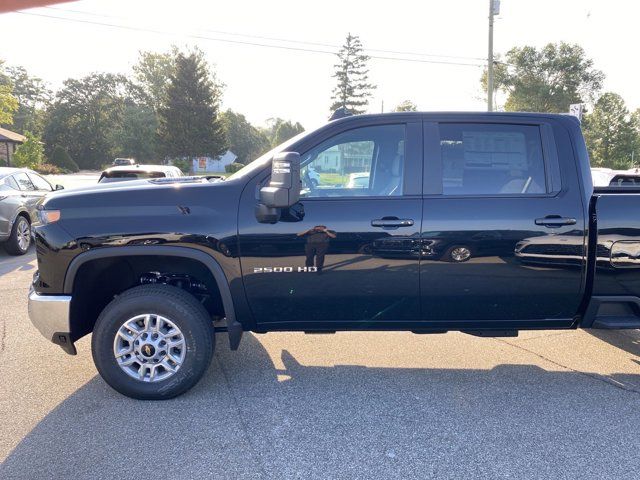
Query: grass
333,179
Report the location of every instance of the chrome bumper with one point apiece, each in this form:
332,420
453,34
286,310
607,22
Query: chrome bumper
50,315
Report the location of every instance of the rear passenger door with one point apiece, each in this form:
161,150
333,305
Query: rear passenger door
503,235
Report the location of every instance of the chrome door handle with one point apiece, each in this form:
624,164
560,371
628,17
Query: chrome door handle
552,221
388,222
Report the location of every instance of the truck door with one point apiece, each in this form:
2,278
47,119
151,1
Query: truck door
503,234
347,253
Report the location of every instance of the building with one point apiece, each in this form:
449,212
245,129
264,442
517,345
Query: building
213,165
9,142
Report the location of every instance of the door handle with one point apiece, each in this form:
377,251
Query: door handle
391,222
552,221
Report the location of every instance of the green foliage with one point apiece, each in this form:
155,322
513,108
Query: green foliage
233,167
183,164
245,140
352,90
611,133
30,154
84,116
279,131
546,80
135,136
8,104
152,74
61,159
406,106
32,96
189,123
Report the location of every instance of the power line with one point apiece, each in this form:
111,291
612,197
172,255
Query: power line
263,45
287,40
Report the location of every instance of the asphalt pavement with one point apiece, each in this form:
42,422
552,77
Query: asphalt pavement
547,404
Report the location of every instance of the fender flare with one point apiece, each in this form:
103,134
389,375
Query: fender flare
234,327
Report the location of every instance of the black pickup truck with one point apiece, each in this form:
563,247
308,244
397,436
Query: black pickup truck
423,222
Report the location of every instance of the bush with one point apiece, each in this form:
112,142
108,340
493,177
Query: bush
233,167
60,158
3,163
48,169
30,154
183,164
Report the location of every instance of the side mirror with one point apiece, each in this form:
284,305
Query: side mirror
284,187
283,190
59,187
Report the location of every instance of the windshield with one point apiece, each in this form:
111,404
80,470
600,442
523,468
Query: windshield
264,159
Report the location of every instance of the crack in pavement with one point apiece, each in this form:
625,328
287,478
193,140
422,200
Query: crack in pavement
595,376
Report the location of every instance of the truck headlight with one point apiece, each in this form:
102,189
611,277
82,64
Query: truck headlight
48,216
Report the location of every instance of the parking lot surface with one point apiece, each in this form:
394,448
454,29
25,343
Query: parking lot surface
547,404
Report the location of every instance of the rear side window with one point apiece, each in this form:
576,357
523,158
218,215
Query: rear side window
24,182
491,159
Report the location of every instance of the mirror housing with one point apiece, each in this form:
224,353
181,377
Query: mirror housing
284,188
59,187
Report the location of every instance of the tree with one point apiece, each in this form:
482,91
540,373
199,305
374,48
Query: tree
279,130
135,136
189,123
30,154
61,158
84,115
8,103
245,140
611,133
406,106
353,89
152,74
546,80
33,96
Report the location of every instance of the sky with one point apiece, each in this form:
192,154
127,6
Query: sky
445,44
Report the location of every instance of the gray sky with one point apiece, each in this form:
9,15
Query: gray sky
264,82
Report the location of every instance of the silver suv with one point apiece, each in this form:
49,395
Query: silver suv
20,190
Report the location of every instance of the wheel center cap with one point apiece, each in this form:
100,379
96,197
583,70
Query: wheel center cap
148,350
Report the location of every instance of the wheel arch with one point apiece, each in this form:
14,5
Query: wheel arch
233,326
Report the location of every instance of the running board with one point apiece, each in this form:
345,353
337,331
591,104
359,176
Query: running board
491,333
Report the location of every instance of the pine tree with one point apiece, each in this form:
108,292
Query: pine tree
353,89
189,123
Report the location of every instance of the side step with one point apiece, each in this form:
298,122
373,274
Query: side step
612,313
491,333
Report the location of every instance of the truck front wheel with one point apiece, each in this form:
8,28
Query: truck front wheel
153,342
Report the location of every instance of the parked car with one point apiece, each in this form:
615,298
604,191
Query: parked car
358,180
123,161
138,172
157,272
607,177
20,191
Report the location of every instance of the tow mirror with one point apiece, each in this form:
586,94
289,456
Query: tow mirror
59,187
284,187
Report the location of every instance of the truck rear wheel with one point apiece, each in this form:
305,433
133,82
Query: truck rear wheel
153,342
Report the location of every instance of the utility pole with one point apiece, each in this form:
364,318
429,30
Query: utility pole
494,9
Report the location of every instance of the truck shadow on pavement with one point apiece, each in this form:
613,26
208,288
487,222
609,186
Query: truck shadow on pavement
10,263
249,419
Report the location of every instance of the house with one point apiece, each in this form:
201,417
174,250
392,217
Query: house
9,142
213,165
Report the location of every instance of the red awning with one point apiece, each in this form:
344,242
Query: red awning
13,5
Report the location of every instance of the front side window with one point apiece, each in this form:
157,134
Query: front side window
40,183
366,161
491,159
23,182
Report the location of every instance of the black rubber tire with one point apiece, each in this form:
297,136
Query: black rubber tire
181,308
11,246
447,255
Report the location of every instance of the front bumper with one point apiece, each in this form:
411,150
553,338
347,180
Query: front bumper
50,315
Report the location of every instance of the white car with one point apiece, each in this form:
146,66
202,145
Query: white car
607,177
358,180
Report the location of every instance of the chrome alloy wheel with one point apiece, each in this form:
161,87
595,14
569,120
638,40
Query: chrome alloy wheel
460,254
149,348
23,232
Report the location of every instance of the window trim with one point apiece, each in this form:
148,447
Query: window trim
434,169
30,174
34,189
